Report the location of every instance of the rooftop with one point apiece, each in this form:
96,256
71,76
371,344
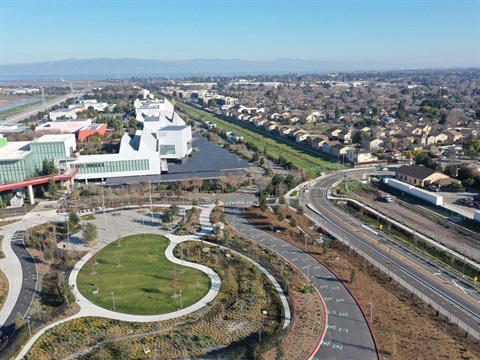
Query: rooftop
53,138
16,150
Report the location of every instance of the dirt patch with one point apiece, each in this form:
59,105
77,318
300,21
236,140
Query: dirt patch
3,289
404,327
305,334
307,309
285,229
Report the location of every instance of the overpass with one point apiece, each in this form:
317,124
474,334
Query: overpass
67,175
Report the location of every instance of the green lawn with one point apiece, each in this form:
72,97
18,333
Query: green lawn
143,284
306,160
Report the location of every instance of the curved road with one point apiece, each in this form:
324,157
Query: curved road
457,301
27,290
348,335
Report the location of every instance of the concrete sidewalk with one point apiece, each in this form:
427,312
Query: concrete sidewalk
131,222
120,228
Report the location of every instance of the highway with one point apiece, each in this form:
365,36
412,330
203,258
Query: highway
16,118
347,335
454,299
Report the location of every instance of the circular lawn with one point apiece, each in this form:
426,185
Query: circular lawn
140,277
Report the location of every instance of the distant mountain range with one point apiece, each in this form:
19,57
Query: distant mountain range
130,67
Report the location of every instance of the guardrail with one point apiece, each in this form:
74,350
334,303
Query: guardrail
475,333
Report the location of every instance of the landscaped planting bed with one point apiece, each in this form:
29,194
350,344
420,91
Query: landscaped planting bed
230,323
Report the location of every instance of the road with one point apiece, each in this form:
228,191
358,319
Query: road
16,118
348,335
27,290
457,301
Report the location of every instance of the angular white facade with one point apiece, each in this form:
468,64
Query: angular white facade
164,137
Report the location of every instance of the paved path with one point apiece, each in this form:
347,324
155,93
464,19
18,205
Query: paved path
347,335
139,223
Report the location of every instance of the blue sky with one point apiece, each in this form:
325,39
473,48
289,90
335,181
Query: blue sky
395,33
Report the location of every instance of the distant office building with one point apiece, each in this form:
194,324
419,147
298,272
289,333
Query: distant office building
62,113
65,125
7,128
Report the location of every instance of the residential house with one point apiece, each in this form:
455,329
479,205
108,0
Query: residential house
339,151
372,144
419,175
359,155
439,138
270,126
345,136
285,131
333,133
301,136
259,122
313,117
454,136
327,146
468,133
317,141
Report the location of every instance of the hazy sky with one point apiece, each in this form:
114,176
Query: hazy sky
391,32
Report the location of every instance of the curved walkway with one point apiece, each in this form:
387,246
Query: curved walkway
89,309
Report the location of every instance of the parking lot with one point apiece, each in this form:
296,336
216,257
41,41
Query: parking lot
452,201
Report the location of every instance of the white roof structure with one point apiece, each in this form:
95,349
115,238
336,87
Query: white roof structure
152,108
53,138
16,150
164,136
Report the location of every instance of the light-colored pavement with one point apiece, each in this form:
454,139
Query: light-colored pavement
110,227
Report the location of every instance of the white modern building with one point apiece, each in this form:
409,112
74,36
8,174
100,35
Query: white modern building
62,113
151,108
164,138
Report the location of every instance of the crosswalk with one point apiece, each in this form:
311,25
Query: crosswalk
244,202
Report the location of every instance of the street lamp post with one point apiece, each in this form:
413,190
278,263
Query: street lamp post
389,260
68,232
104,213
113,300
181,300
150,194
371,311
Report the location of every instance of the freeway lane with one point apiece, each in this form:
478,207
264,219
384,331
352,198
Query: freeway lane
16,118
348,335
27,290
423,277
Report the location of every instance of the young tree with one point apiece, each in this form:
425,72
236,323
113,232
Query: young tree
73,220
19,321
89,233
52,188
353,275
